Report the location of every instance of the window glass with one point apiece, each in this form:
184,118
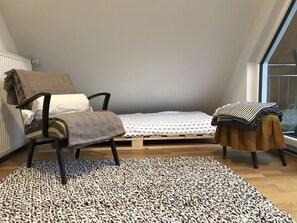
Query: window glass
279,71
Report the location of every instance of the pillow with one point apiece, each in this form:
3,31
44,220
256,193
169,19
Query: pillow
62,103
27,116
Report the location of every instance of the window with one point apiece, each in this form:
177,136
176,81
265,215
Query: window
279,71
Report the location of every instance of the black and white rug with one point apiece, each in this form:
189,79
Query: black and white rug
181,189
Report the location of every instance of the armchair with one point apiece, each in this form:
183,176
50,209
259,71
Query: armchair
78,127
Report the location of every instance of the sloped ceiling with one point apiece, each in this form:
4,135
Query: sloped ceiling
152,55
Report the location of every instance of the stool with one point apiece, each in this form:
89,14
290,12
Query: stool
268,135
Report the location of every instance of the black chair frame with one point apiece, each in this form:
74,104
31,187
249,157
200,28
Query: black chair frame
56,141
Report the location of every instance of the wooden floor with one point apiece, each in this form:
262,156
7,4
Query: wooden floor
278,183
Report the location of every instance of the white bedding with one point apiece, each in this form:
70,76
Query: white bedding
167,123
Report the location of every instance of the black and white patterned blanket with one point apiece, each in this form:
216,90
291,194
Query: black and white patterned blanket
246,115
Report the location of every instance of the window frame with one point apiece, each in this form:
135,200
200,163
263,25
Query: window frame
292,9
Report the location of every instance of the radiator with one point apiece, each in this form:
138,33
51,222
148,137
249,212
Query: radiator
11,126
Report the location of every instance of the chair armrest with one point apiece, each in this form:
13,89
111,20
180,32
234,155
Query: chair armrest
45,109
106,99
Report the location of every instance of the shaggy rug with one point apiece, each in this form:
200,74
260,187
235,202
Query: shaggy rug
180,189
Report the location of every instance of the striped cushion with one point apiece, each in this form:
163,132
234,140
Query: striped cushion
56,129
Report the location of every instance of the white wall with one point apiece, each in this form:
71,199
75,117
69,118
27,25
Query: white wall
6,41
151,55
244,83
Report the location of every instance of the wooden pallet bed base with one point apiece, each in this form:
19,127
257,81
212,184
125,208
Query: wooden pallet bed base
138,141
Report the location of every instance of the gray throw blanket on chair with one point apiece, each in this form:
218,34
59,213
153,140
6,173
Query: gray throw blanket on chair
87,128
22,84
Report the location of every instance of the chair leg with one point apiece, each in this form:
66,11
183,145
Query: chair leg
114,152
282,157
31,152
60,161
255,160
224,152
77,153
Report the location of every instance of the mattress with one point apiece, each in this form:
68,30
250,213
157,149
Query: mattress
167,123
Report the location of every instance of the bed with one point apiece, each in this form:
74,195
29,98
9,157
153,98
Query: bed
166,125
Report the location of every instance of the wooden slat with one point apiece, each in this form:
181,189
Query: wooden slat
138,141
